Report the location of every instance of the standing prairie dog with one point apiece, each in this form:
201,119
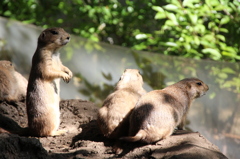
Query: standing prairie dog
113,116
13,86
158,112
44,80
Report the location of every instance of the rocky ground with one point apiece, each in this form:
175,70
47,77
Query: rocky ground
84,139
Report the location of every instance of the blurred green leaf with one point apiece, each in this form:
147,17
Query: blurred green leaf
158,9
193,18
170,7
173,18
160,15
189,3
215,53
221,37
170,44
224,20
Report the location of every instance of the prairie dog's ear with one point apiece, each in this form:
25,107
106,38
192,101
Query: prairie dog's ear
43,35
188,85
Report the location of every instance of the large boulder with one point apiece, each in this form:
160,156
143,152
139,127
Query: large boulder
84,139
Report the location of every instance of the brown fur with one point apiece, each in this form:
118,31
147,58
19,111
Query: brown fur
22,85
158,112
43,87
114,114
13,85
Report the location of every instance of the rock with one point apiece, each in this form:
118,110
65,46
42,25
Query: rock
84,139
14,146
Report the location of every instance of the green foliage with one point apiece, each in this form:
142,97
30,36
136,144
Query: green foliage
189,28
197,29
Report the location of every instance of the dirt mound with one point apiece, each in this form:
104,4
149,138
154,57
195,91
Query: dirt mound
84,139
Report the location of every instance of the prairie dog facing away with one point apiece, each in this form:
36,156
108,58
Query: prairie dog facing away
44,80
13,86
113,116
158,112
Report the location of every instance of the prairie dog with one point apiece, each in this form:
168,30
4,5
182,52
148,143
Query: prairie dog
44,80
113,116
158,112
13,85
22,85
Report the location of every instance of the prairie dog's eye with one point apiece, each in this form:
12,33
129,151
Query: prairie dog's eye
120,78
199,83
54,32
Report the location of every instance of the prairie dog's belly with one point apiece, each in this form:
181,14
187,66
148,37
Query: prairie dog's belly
44,96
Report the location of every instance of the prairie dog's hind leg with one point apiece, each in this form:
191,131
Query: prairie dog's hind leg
58,132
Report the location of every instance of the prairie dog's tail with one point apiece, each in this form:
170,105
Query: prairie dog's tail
138,137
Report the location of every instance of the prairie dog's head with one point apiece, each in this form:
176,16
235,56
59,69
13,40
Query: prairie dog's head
195,87
129,78
53,38
6,64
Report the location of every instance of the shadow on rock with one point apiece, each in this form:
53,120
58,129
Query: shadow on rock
14,146
90,131
8,123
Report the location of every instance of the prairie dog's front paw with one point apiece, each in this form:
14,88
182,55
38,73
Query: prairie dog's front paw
69,73
66,77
